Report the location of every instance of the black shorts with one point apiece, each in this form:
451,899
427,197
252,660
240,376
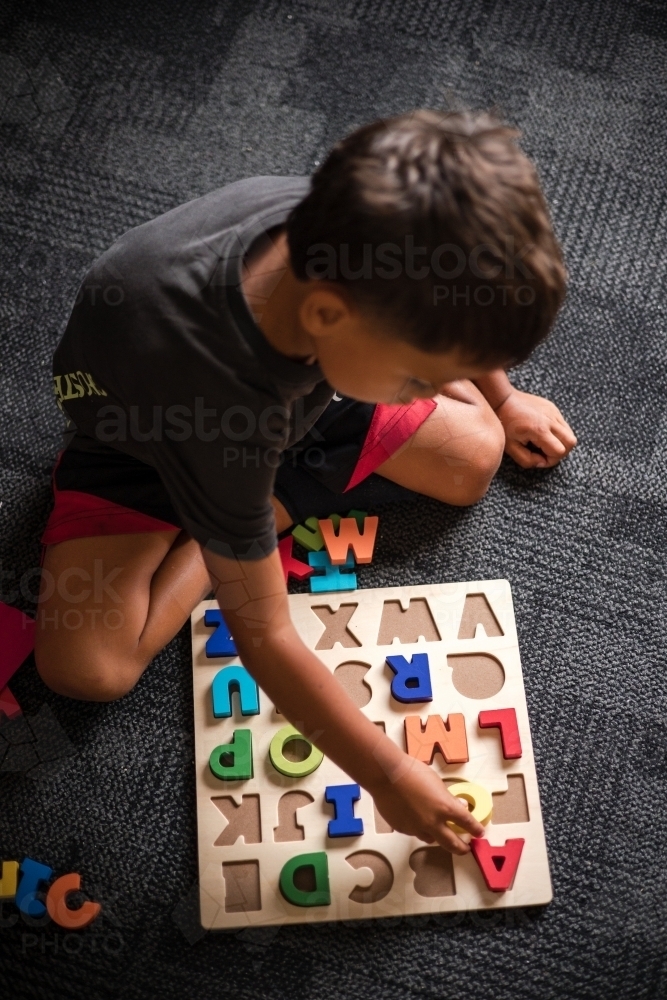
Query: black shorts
99,490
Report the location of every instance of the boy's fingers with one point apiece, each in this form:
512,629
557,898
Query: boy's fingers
552,446
450,841
460,814
565,434
523,457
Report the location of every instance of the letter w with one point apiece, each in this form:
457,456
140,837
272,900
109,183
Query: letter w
348,537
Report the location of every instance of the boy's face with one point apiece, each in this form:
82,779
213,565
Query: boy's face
361,359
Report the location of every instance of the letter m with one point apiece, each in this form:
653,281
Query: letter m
448,737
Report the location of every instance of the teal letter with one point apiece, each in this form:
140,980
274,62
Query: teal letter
234,678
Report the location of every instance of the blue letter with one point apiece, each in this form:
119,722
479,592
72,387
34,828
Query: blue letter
32,873
234,678
344,823
221,642
332,579
413,680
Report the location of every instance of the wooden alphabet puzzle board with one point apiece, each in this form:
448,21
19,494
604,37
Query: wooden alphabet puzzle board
281,847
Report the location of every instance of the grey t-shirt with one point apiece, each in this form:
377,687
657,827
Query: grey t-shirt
162,359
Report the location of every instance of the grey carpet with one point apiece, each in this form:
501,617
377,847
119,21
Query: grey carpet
112,113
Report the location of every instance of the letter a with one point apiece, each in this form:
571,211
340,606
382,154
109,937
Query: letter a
498,865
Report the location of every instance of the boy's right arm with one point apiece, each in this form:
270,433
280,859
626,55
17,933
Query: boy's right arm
409,794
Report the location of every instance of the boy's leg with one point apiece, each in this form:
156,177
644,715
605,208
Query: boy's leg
109,604
453,456
455,453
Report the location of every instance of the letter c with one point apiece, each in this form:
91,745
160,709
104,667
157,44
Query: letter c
59,911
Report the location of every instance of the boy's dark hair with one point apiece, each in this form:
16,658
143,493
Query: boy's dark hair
436,223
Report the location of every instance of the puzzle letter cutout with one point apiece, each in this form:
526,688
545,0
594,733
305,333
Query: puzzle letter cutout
285,836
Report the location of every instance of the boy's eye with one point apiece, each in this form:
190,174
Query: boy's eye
421,387
414,388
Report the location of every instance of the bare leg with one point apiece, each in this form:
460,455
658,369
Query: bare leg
109,604
452,457
455,453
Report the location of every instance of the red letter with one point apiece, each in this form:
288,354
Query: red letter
498,865
292,566
505,720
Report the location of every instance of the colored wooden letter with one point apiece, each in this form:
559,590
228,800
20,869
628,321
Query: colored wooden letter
32,873
221,642
227,680
505,720
498,865
10,873
310,539
413,679
319,866
9,706
238,766
56,904
448,737
293,768
332,578
476,796
350,537
291,565
344,823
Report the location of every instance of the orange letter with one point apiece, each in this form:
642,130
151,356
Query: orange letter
447,737
349,537
56,904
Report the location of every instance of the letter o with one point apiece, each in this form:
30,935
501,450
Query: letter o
293,768
476,796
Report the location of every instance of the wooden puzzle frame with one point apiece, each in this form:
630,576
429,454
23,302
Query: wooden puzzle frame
474,667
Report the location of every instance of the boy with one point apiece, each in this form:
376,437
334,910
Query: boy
206,345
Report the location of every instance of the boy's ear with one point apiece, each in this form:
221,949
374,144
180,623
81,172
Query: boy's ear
324,310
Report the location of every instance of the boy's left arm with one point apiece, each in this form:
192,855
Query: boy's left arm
527,418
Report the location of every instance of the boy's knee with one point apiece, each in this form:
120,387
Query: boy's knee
97,678
484,461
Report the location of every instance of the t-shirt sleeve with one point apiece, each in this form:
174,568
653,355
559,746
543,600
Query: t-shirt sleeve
218,466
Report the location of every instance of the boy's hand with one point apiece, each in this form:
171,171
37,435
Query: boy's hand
532,419
416,802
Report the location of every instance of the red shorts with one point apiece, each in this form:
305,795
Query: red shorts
99,490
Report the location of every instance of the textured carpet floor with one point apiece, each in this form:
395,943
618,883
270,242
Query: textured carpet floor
110,114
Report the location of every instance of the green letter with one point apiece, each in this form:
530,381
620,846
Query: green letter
240,750
320,895
293,768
